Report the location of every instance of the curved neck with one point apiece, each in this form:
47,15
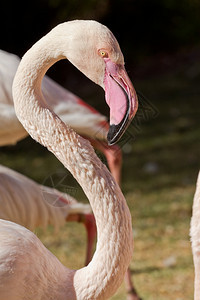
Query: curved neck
106,271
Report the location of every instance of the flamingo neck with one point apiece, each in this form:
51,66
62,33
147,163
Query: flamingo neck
105,273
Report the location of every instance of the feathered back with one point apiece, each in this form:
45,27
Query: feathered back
27,203
27,269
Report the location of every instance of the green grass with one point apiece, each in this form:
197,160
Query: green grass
159,174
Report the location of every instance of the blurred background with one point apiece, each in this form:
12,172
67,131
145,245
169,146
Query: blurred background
160,43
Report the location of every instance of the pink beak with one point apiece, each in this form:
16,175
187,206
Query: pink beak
122,99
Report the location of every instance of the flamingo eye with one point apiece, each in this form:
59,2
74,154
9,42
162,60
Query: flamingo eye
103,53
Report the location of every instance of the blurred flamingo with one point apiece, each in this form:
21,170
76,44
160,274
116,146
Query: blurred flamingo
30,204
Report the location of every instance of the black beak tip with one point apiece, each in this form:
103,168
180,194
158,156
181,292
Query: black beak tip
111,135
116,131
114,134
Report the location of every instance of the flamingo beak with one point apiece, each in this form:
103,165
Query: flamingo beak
122,99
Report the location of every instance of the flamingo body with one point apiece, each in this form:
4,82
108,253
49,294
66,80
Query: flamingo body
21,256
27,203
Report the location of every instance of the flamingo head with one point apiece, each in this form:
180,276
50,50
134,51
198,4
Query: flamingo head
94,50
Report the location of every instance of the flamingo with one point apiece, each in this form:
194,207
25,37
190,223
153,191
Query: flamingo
195,238
73,111
30,204
85,44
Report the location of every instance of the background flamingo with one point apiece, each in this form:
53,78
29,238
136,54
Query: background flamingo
73,111
27,203
195,238
101,278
